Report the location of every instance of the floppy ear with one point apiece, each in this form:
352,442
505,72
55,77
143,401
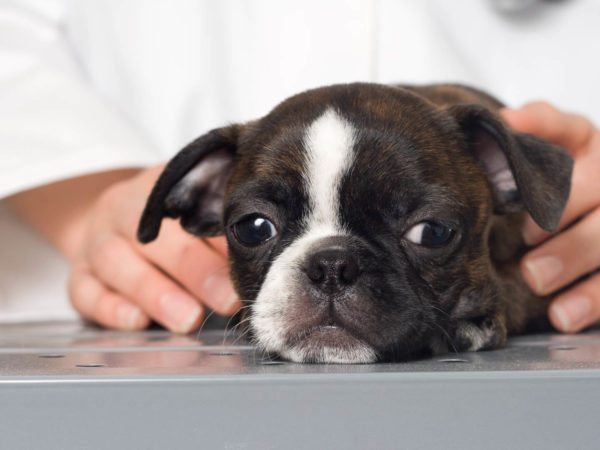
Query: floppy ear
523,170
192,186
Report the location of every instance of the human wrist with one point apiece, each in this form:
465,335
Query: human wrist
59,211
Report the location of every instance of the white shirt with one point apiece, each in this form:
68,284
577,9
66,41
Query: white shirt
91,85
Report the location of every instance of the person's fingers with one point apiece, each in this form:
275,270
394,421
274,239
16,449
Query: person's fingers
584,197
571,131
118,265
200,268
578,307
197,264
564,258
97,303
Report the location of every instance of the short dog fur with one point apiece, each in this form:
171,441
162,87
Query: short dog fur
369,222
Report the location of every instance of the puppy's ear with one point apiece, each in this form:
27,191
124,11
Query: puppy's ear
523,170
192,186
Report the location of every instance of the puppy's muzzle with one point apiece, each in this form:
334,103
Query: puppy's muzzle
332,270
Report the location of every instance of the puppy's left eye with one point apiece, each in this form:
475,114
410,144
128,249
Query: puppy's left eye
430,234
254,230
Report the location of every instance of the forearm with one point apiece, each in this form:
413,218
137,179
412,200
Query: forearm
57,210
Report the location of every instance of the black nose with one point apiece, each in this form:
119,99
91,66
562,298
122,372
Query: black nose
332,269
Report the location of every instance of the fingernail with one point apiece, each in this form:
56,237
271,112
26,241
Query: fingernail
219,293
544,271
571,311
180,312
128,317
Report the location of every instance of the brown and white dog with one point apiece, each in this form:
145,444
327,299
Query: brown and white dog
369,222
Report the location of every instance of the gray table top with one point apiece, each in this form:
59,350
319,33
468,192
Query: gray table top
76,349
68,385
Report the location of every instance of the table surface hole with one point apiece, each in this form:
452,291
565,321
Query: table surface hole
157,338
452,360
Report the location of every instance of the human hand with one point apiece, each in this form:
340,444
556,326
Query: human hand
558,259
120,283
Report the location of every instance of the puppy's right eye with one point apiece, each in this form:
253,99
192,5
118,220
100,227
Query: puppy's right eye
254,230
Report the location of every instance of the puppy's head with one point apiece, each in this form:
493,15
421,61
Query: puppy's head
358,218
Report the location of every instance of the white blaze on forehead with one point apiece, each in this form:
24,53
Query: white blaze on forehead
329,143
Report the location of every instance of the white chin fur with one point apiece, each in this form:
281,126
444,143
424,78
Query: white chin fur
361,354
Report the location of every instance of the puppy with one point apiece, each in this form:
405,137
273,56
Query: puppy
371,223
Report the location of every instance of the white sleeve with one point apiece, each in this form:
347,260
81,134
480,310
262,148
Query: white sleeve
52,123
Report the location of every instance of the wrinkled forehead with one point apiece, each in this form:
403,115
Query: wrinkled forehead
310,149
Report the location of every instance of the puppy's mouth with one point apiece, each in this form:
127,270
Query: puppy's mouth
328,343
330,335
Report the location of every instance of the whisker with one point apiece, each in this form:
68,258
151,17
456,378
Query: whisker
447,336
439,309
243,334
208,316
237,325
227,330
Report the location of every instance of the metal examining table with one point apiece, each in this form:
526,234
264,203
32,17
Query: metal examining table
68,385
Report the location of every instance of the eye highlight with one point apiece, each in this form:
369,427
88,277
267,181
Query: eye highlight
254,230
430,234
